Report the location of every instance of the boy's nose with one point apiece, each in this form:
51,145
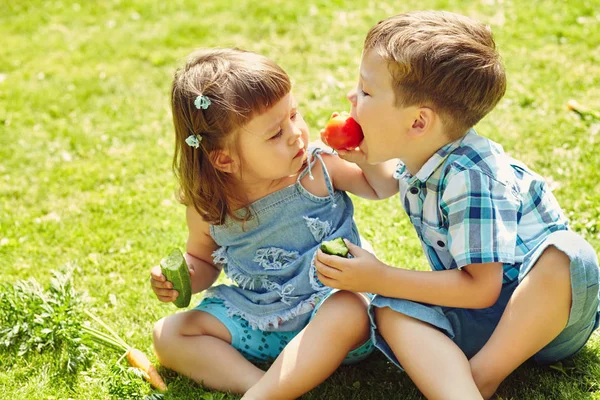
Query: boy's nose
351,96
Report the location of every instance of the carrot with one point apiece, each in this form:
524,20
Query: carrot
135,357
582,111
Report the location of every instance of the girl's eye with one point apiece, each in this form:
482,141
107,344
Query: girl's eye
280,133
363,93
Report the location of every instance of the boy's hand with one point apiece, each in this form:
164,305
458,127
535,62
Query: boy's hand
358,274
162,288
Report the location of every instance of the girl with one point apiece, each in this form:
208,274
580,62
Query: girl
259,204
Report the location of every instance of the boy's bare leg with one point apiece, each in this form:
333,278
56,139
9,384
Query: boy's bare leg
432,360
340,325
197,345
536,313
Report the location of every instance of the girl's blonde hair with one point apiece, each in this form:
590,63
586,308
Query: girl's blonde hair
240,85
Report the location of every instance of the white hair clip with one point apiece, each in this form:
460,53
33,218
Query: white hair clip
202,102
194,141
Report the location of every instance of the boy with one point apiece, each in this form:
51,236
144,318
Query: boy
510,281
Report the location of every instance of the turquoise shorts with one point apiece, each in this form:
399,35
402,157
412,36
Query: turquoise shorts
470,329
263,346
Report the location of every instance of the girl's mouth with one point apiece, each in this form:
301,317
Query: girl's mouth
300,153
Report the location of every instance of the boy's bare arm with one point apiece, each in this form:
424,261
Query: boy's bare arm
475,286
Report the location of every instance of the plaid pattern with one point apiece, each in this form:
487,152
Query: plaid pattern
471,203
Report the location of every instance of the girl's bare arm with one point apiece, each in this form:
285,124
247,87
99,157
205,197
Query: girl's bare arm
200,246
374,182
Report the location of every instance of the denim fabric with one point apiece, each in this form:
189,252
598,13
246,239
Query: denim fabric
470,329
270,258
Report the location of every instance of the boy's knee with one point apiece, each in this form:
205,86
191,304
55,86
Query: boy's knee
383,317
553,267
390,322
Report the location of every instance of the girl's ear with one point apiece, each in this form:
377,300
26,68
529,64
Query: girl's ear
223,161
423,121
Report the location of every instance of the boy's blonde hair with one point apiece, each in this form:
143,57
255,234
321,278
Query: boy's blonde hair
444,61
239,85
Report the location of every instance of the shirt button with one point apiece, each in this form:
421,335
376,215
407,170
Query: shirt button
414,190
441,244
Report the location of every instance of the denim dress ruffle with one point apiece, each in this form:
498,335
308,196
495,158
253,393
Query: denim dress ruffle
270,258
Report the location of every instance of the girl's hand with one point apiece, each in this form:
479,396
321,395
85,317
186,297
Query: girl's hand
358,274
162,288
355,156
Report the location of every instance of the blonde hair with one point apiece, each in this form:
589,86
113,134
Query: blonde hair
442,60
240,85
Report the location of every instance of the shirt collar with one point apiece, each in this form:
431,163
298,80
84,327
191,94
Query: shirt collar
432,164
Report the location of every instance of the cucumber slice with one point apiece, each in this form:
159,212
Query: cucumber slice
175,269
335,247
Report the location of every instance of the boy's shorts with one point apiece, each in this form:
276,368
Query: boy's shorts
470,329
262,346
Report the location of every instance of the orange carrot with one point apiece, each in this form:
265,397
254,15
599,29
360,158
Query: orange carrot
137,359
582,111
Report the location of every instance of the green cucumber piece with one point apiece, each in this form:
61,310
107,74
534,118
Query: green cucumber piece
175,269
335,247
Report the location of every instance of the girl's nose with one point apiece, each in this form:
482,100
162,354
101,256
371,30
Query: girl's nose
296,133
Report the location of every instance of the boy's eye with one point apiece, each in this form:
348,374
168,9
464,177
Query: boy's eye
363,93
293,116
277,135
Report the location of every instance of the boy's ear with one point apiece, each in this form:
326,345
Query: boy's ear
223,161
423,121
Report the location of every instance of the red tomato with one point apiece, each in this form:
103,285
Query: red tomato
342,132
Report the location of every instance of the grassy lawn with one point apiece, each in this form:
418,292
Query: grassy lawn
86,145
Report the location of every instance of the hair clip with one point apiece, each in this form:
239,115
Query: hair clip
194,141
202,102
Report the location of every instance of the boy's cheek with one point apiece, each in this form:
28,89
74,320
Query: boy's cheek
353,114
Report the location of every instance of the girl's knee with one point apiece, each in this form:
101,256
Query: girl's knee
167,331
161,338
347,308
345,300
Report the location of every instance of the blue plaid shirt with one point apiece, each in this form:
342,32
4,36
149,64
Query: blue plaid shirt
471,203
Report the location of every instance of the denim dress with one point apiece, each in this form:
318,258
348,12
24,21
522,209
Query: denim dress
270,257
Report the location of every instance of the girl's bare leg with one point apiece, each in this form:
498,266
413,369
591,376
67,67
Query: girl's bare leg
340,325
536,313
197,345
433,361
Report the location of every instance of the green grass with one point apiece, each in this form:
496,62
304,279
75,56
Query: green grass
86,145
